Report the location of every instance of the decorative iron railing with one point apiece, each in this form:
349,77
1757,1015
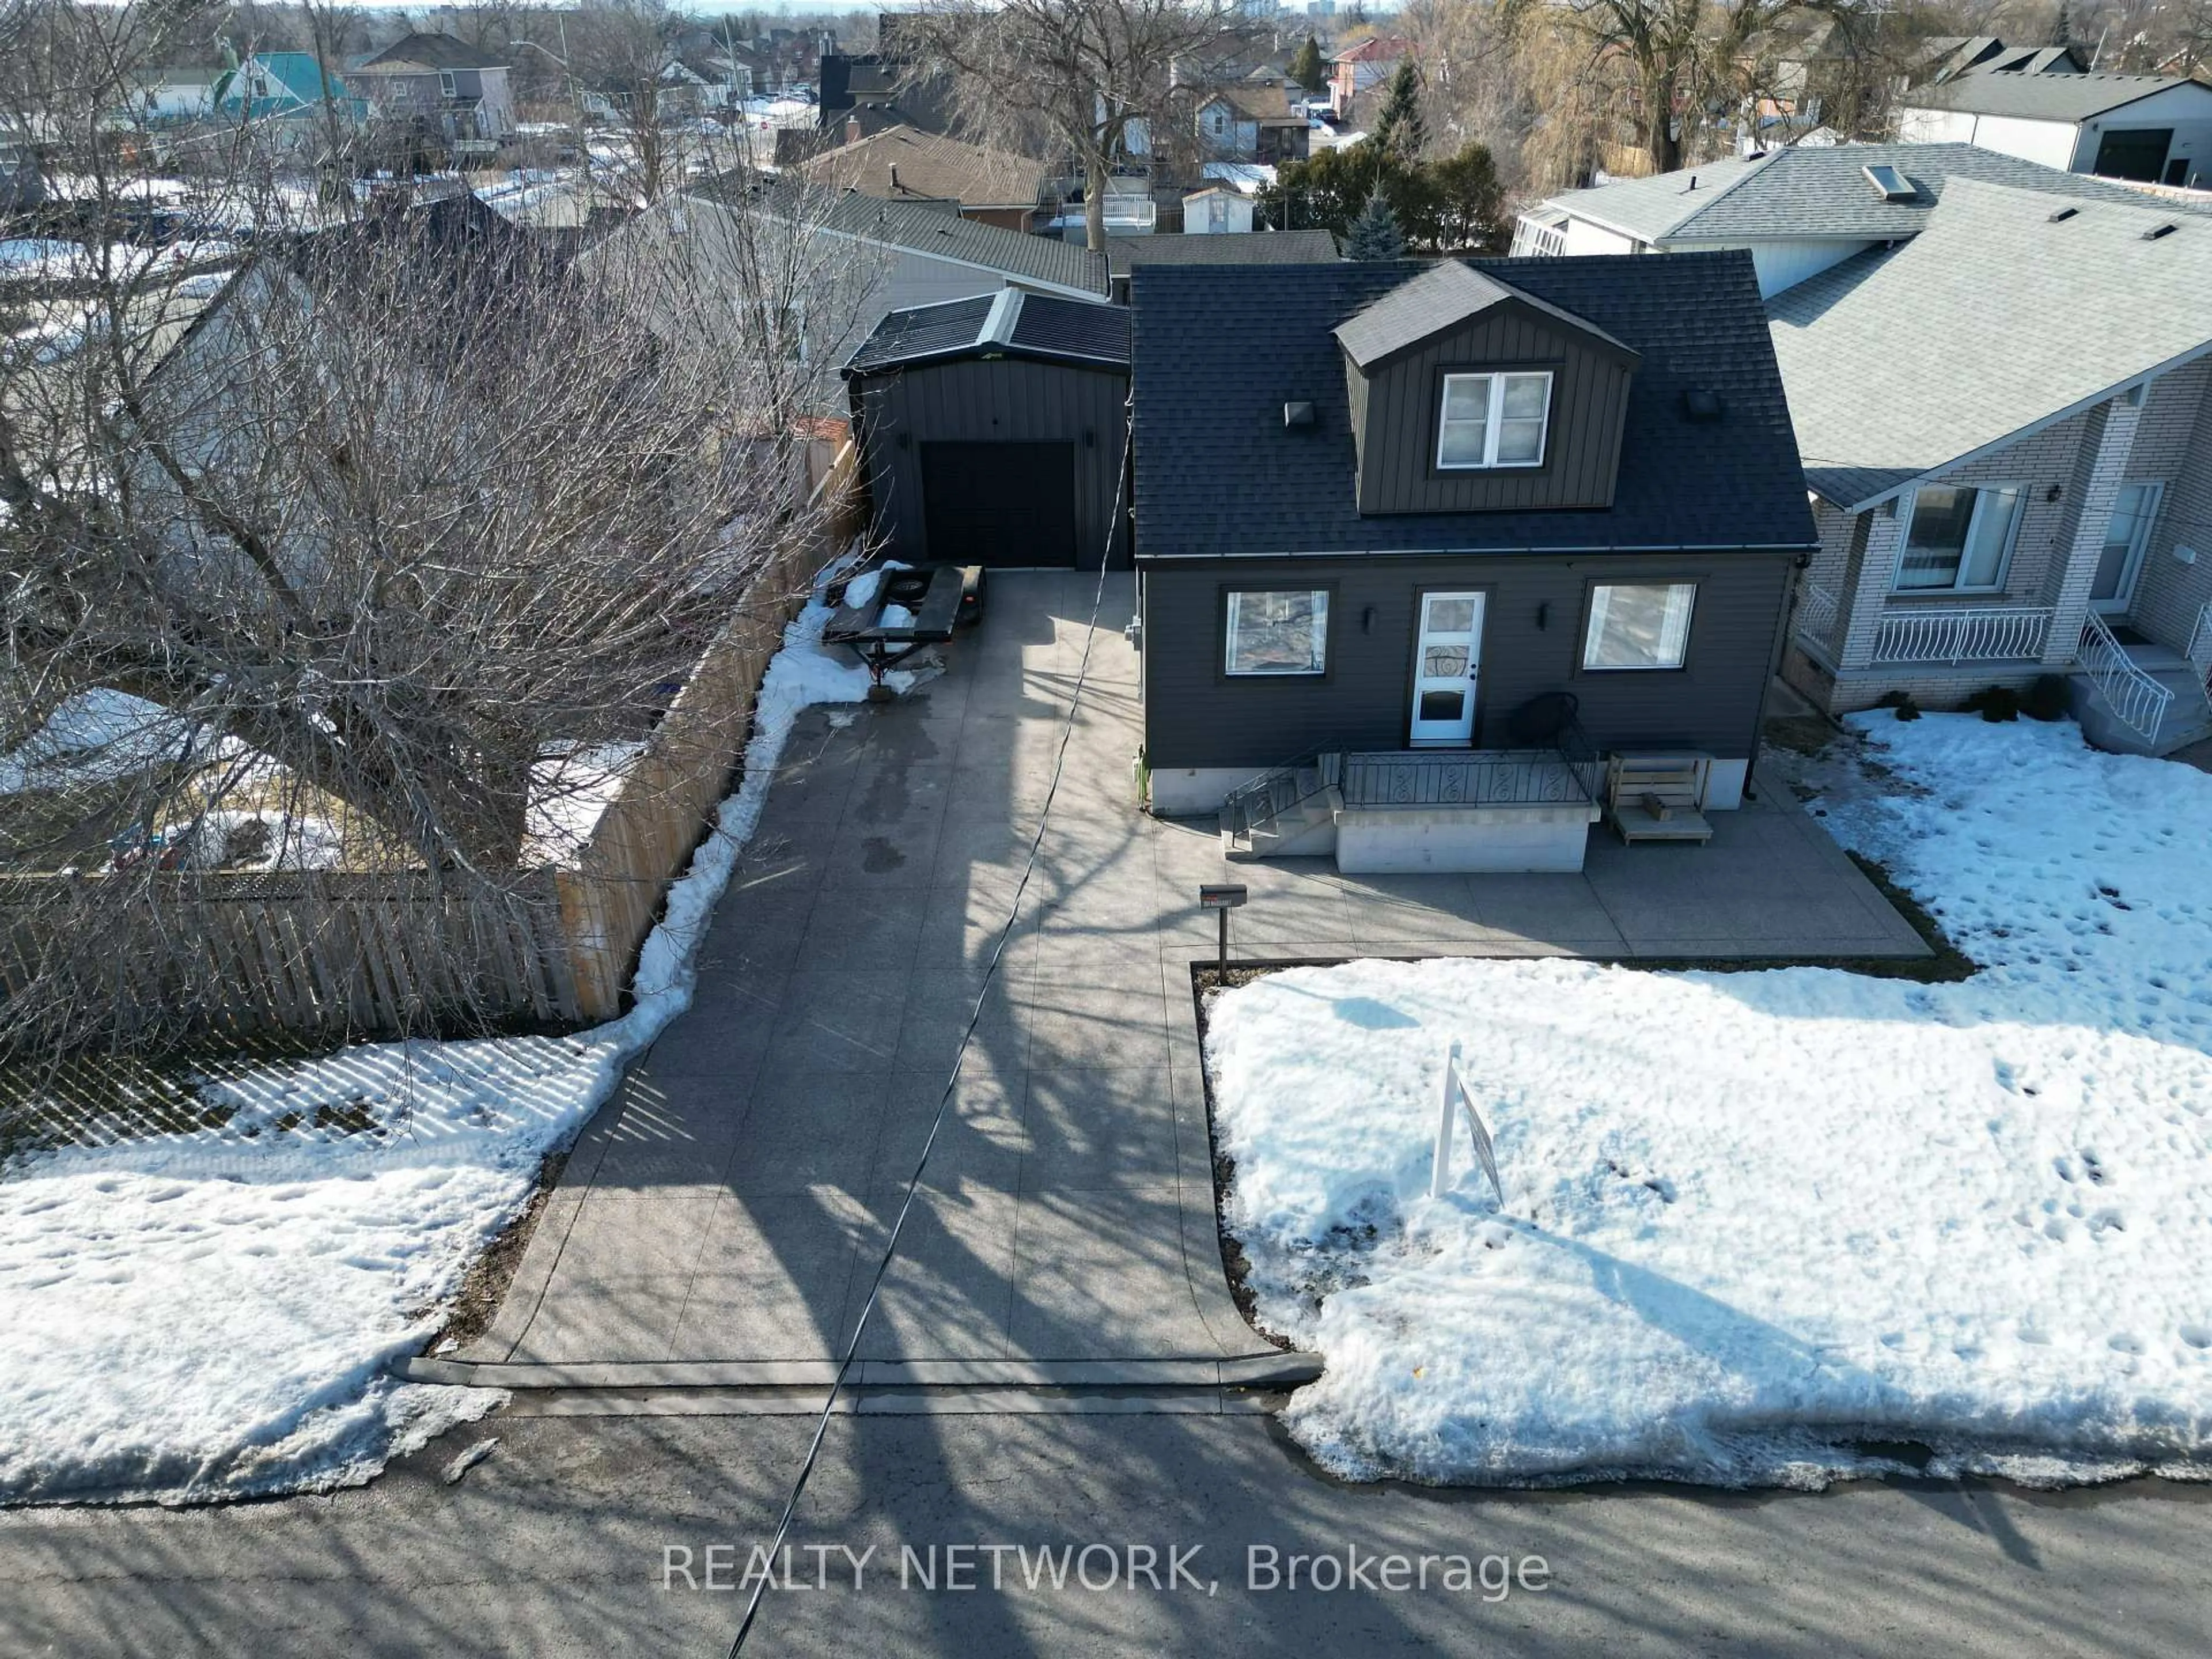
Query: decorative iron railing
1480,777
2200,643
2138,700
1963,634
1817,611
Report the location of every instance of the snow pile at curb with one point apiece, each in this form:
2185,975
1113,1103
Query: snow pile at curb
1773,1227
210,1316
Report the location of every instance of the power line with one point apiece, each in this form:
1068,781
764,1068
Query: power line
967,1037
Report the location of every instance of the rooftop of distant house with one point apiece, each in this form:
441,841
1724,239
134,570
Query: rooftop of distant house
901,163
1830,191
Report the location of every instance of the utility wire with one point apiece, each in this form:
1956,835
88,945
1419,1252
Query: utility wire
967,1037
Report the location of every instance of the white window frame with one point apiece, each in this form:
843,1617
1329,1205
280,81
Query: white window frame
1493,413
1593,628
447,87
1909,503
1319,596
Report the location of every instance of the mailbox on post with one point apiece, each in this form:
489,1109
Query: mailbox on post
1222,897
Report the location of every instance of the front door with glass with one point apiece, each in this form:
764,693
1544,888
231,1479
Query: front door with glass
1447,659
2119,562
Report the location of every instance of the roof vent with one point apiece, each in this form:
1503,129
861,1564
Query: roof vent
2157,231
1299,414
1703,404
2062,215
1889,183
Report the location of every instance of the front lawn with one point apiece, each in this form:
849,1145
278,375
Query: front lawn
1773,1226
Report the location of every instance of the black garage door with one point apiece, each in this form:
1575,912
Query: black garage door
2138,153
1008,505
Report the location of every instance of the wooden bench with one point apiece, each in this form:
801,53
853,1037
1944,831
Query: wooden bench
1658,797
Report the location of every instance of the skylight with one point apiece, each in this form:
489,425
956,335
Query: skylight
1889,184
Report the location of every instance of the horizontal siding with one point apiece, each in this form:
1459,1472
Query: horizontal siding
1009,400
1404,402
1196,717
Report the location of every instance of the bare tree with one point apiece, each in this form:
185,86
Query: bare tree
377,547
1097,77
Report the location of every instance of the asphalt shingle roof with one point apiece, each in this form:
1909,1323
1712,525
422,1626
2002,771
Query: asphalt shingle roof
431,51
1010,324
1255,247
1445,295
934,229
1902,361
1220,350
1800,192
928,168
2046,97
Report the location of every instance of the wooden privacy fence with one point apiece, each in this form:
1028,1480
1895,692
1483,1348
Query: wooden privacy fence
612,892
319,955
314,955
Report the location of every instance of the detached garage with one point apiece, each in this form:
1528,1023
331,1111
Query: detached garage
995,430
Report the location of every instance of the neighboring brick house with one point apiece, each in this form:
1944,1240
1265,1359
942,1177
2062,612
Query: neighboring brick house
1361,65
2006,427
1250,123
1799,210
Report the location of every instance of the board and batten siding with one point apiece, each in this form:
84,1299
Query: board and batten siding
1396,409
1196,717
1009,400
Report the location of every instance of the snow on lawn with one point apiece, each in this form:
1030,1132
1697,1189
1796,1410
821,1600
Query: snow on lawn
211,1314
1770,1226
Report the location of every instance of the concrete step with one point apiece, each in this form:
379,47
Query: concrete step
2187,718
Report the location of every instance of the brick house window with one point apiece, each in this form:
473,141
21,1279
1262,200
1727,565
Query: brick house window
1959,540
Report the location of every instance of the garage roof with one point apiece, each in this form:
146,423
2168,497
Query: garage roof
1008,324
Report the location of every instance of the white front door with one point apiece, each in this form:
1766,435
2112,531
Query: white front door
1447,658
2119,562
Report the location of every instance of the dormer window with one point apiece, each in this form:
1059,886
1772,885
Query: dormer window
1493,420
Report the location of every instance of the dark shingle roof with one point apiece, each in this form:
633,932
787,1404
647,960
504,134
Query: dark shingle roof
1008,324
1219,352
2046,97
930,227
1817,192
1250,247
1445,295
431,52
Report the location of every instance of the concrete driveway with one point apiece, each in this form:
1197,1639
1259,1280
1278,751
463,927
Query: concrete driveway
719,1221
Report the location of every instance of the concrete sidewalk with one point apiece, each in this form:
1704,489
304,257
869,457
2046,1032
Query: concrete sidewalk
719,1222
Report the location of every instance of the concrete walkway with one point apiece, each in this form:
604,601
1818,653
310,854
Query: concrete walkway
720,1220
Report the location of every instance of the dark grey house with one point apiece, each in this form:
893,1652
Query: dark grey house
1386,514
995,430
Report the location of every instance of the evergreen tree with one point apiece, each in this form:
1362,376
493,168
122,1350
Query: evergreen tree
2061,32
1307,67
1375,234
1400,128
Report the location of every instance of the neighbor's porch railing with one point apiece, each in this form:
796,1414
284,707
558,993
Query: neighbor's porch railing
1817,611
2138,700
1962,634
2200,643
1480,777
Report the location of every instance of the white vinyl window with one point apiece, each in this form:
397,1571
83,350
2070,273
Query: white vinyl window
1638,625
1493,420
1278,633
1959,540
